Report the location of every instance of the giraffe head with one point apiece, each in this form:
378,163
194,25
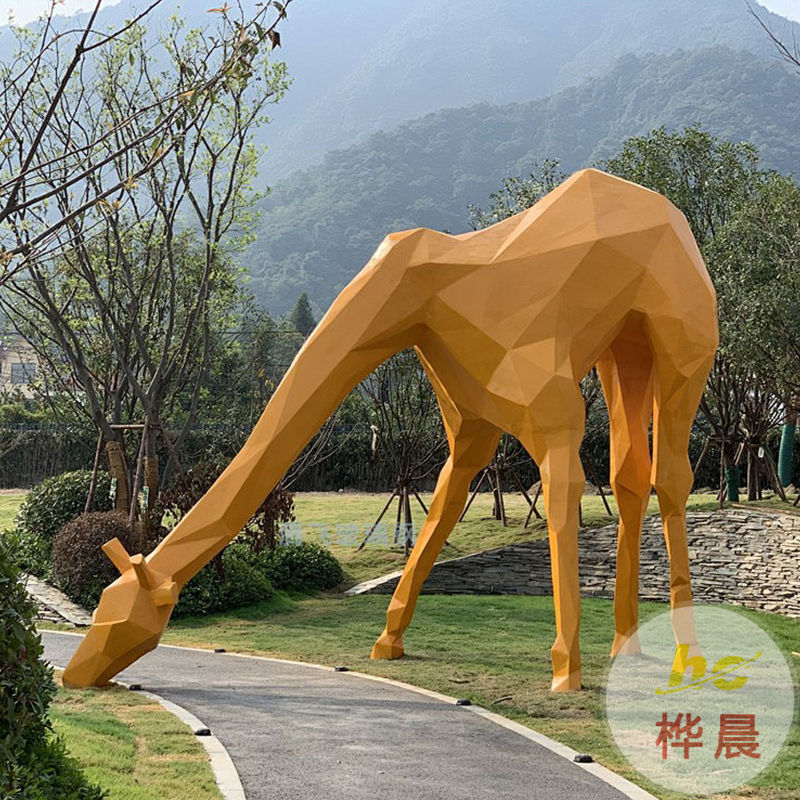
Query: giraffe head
128,623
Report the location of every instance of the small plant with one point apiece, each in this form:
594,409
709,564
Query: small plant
80,567
303,567
48,507
33,762
240,580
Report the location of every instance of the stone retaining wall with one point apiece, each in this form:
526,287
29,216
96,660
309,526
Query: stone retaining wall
738,556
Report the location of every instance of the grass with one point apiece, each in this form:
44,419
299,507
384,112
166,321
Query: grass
322,514
493,650
10,501
131,746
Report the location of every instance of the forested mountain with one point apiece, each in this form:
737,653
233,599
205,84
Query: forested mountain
477,91
360,66
321,225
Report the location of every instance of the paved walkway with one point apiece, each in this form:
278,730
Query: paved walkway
54,605
297,732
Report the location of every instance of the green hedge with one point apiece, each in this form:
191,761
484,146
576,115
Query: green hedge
244,578
33,762
235,580
80,568
48,507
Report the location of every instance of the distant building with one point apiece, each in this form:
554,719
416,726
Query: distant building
19,366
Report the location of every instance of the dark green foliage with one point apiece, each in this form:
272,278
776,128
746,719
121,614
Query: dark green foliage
303,567
20,413
243,577
33,762
301,317
321,226
238,579
32,449
48,507
706,177
80,568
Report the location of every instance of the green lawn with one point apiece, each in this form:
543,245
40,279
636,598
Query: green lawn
493,650
131,746
322,513
10,501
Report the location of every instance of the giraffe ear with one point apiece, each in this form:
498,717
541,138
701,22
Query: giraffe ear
117,554
166,594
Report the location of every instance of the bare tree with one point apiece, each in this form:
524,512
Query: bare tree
408,433
789,51
122,314
47,151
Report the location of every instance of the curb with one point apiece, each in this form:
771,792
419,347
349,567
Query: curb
604,774
225,773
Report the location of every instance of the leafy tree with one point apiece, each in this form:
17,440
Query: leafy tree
123,317
755,268
755,259
744,219
301,316
706,177
55,165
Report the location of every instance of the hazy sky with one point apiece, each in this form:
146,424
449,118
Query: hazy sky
786,8
26,10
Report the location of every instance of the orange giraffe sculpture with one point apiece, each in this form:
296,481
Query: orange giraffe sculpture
506,322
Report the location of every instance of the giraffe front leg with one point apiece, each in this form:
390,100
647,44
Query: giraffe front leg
472,446
554,443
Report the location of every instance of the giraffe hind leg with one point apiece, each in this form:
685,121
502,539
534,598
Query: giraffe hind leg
626,374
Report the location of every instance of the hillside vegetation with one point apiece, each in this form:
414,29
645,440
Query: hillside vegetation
321,225
361,66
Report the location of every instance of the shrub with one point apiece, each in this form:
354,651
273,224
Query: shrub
303,567
33,762
80,568
261,530
235,579
48,507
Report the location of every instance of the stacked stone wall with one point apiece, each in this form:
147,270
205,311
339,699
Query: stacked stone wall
737,556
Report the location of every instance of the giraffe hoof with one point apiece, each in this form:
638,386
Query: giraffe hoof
387,647
625,645
567,683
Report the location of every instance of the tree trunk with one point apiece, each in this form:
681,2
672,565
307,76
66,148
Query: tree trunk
118,469
752,475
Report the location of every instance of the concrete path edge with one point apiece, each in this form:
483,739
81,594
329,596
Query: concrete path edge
225,772
604,774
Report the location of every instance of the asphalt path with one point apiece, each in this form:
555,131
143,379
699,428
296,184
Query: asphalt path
297,732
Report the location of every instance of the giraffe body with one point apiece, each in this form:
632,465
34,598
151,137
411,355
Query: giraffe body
506,322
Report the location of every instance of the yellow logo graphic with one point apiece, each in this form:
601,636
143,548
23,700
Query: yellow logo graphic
728,665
